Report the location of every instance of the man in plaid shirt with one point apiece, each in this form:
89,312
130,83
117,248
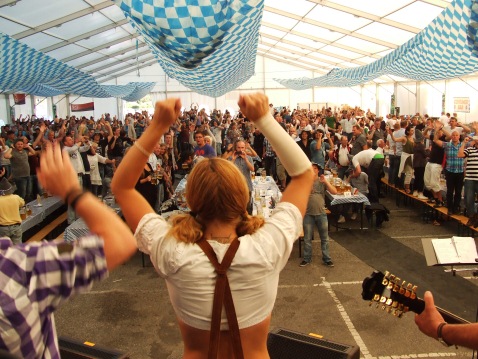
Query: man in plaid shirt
454,170
36,278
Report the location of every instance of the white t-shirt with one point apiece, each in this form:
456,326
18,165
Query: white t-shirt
253,275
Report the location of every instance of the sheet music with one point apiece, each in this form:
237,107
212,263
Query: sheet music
455,250
466,249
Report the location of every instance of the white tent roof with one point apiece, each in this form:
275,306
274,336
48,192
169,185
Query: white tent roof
318,35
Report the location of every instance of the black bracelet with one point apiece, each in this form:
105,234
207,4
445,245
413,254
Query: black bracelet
76,199
68,194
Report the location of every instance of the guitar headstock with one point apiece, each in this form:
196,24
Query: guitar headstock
391,294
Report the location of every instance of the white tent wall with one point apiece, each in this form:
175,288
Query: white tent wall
426,97
466,88
338,96
3,109
431,98
406,98
369,98
385,92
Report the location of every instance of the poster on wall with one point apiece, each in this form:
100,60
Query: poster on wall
392,104
19,98
461,104
89,106
443,102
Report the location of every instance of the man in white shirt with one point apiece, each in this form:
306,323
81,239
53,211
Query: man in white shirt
73,149
372,161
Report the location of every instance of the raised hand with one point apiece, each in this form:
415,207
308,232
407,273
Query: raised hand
254,106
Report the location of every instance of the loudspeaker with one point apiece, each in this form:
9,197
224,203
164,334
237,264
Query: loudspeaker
286,344
74,349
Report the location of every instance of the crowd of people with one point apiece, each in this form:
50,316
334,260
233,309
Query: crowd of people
79,159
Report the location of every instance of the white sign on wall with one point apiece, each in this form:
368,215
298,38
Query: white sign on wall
461,104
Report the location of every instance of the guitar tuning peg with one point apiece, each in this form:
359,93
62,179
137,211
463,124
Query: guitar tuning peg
387,274
376,297
383,299
389,302
391,277
395,304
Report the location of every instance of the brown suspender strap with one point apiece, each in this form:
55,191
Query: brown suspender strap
222,295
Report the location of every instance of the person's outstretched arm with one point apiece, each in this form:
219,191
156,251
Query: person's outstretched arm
256,108
57,176
133,205
429,320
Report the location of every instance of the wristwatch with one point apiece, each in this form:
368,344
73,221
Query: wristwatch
439,335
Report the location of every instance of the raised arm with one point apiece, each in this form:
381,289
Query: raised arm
58,177
296,163
461,150
133,205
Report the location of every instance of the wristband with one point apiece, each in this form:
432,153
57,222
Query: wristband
68,194
75,199
439,334
292,157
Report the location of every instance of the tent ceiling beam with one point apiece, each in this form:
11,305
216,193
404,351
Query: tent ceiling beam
331,27
60,21
102,47
343,58
315,39
117,62
439,3
109,56
146,64
132,66
8,3
284,59
367,15
84,36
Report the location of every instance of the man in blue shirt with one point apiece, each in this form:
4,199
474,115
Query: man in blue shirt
202,148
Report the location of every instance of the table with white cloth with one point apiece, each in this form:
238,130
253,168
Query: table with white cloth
340,199
79,228
40,211
265,195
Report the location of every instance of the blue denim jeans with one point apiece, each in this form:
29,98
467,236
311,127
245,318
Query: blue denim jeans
471,189
393,170
22,186
322,226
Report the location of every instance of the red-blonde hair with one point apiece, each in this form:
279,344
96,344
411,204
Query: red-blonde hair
216,190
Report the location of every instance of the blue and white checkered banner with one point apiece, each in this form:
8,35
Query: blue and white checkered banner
446,48
24,69
209,46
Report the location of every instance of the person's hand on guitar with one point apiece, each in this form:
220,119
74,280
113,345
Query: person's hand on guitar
429,320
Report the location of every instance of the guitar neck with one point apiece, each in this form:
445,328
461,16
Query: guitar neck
449,317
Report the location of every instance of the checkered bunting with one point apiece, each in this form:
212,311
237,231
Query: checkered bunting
209,46
446,48
27,70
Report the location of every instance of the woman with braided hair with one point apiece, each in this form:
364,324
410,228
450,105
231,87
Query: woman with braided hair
217,254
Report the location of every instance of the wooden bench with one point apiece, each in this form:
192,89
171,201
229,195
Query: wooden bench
430,213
